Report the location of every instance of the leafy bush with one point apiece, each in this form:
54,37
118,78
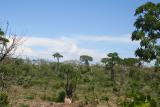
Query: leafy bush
137,99
25,82
4,99
60,96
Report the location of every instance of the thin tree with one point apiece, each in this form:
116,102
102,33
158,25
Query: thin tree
57,56
111,60
86,59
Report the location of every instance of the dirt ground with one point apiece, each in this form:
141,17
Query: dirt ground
46,104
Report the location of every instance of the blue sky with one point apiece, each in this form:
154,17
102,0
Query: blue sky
72,27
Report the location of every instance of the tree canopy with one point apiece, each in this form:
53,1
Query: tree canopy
57,55
86,59
147,31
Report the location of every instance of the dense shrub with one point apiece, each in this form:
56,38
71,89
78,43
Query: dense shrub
4,99
60,96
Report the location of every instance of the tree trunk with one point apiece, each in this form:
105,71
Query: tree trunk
57,68
112,73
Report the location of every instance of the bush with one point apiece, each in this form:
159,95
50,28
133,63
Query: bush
104,98
60,96
137,99
4,99
25,82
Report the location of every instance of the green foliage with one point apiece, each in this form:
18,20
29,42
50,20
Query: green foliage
60,96
110,62
25,82
137,99
89,88
86,59
71,77
105,98
131,61
147,31
4,102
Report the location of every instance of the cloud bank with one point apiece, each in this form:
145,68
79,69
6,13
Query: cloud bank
43,47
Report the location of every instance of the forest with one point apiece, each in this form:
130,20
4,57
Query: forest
113,82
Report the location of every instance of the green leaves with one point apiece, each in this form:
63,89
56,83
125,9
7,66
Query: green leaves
137,35
83,58
147,30
4,99
111,60
131,61
149,6
86,59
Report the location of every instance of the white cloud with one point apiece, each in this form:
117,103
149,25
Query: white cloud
119,39
66,46
43,47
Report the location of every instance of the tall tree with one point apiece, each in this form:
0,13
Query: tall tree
57,56
86,59
147,31
111,60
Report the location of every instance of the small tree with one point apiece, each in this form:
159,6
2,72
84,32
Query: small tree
86,59
71,76
57,56
110,62
8,47
147,31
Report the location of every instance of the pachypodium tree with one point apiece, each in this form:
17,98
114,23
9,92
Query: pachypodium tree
86,59
111,60
71,76
147,32
57,56
105,62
